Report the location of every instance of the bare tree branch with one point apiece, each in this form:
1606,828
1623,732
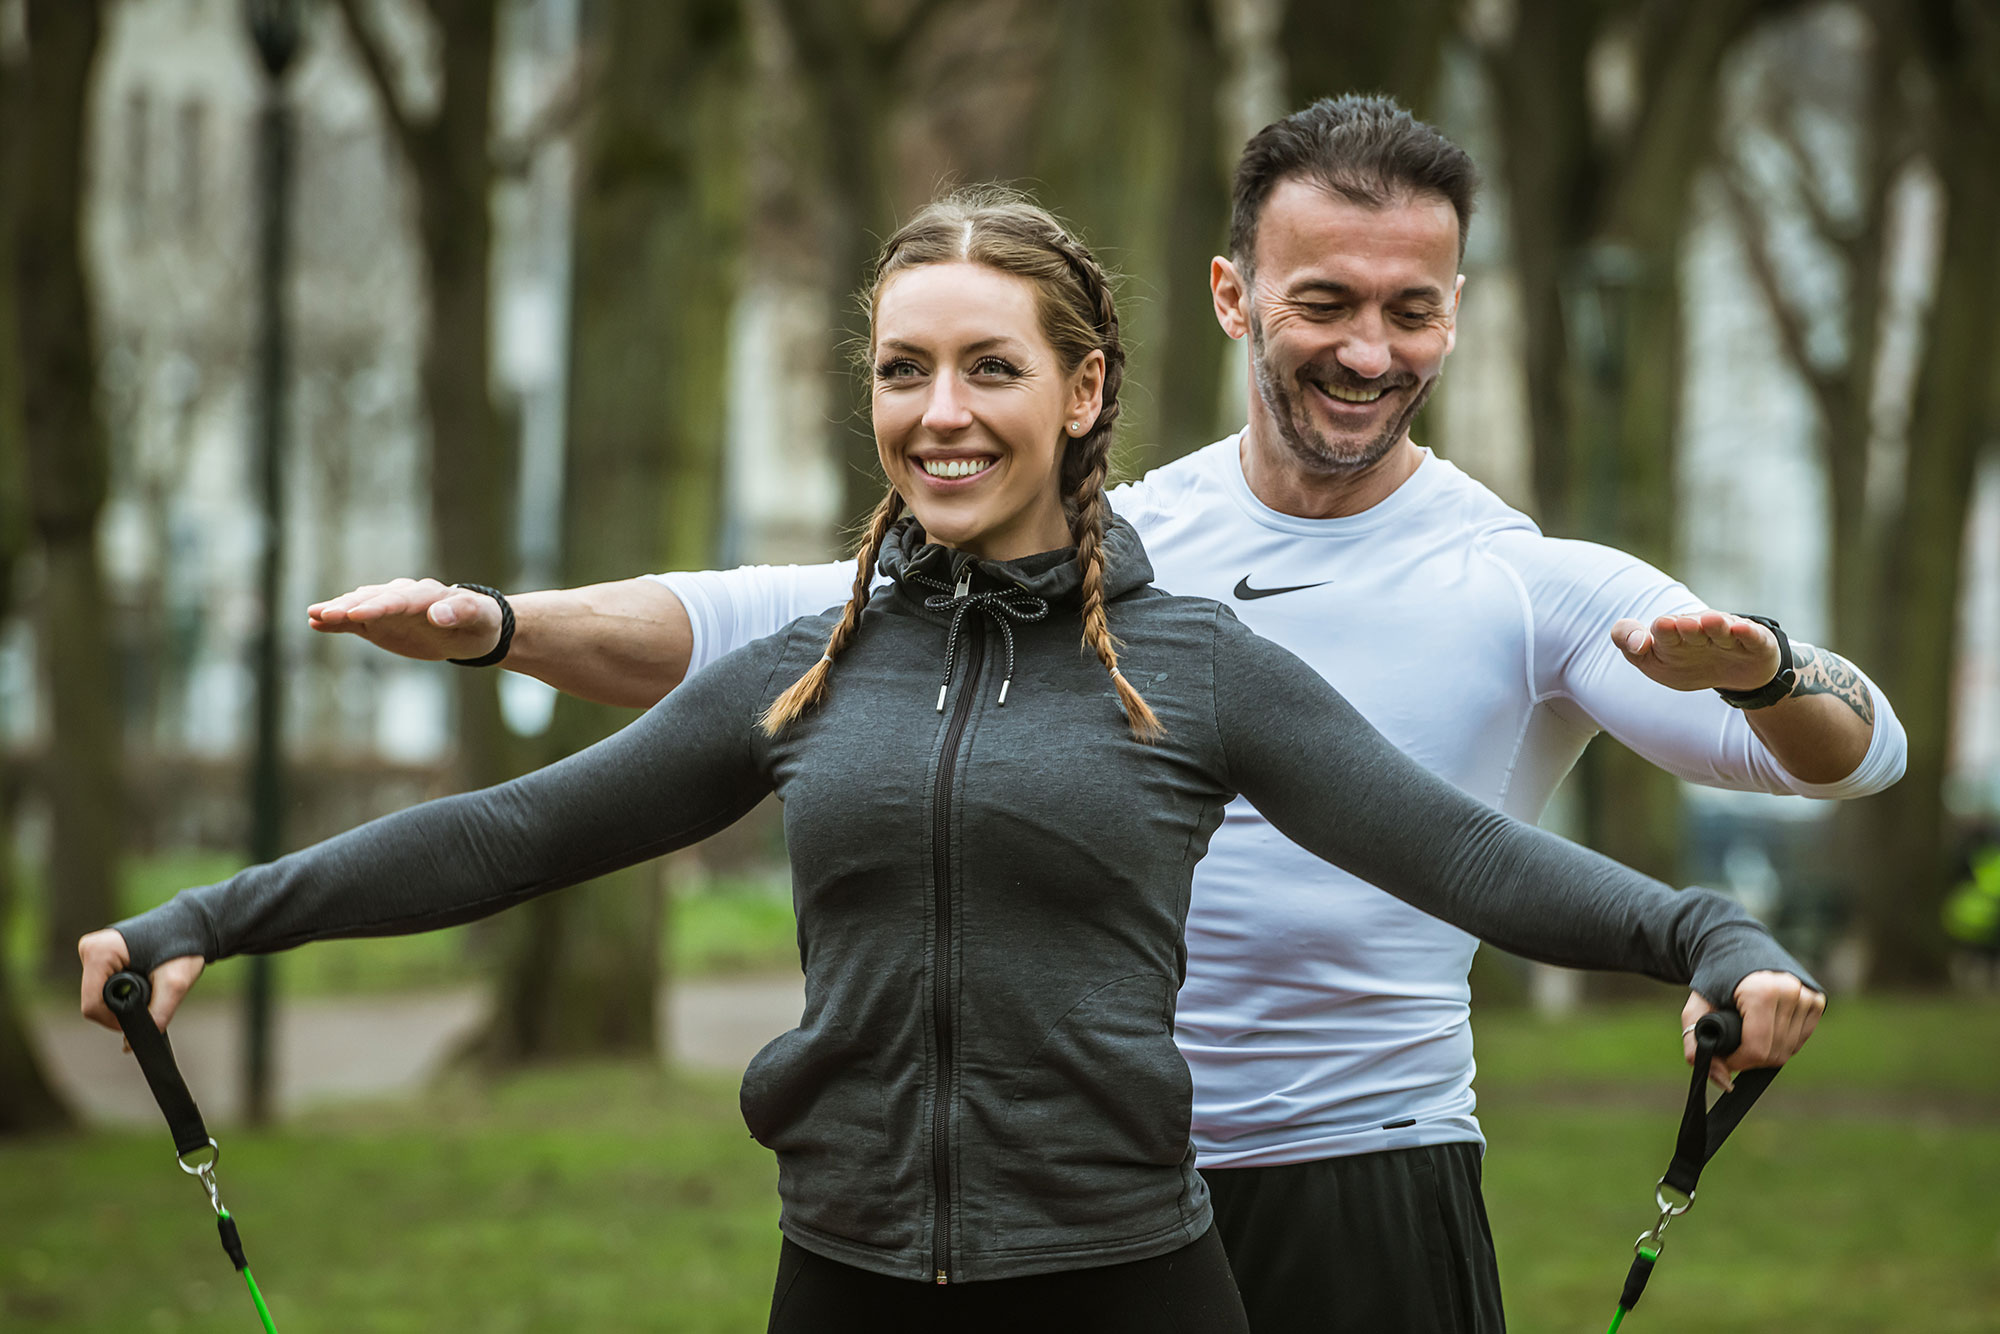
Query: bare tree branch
1825,387
1836,232
556,118
375,62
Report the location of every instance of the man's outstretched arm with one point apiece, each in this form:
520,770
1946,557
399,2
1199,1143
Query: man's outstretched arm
625,643
1820,732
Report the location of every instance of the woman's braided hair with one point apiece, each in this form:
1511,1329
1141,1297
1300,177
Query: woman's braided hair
1005,230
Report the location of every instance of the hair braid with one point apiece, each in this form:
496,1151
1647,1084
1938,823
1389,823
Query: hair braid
1088,529
809,690
1091,451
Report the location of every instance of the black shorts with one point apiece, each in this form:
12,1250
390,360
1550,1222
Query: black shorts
1188,1291
1367,1244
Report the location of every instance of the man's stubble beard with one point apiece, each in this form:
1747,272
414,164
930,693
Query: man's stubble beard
1302,438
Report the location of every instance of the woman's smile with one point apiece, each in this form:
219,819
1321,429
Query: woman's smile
954,471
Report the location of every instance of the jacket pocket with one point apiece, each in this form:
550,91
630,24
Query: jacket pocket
822,1107
1096,1128
799,1085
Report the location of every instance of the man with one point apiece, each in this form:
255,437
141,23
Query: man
1325,1023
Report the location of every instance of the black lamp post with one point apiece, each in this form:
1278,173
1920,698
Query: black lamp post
275,29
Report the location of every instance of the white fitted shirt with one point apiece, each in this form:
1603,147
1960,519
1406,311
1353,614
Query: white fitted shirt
1320,1016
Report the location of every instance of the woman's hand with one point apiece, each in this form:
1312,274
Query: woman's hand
1779,1014
105,952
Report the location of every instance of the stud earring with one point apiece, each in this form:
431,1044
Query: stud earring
1076,428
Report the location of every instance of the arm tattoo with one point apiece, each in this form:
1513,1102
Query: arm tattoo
1824,673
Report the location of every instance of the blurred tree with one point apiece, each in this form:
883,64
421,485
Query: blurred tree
1133,159
854,59
658,222
68,467
1605,112
28,1103
1958,46
1393,49
1930,91
450,170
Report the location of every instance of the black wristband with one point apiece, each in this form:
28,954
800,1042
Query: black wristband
1779,686
507,629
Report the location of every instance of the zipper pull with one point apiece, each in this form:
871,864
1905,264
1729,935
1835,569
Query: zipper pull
942,1278
964,585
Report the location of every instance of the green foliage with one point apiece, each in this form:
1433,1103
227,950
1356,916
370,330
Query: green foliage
1972,913
1856,1198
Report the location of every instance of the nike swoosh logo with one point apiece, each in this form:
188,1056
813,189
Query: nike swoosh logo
1245,593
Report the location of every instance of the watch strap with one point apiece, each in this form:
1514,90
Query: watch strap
1779,686
506,629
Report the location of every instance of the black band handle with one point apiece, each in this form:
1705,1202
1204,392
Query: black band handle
128,994
1704,1128
1721,1029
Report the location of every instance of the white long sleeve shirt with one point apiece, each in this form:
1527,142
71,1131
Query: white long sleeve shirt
1320,1016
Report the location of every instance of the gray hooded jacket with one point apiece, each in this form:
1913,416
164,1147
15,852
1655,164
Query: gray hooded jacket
991,878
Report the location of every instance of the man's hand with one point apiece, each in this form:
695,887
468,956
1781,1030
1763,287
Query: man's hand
105,952
418,618
1779,1014
1706,650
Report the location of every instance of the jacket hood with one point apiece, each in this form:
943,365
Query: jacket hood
1052,575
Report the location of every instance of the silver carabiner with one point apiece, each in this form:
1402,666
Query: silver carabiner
1669,1211
204,1171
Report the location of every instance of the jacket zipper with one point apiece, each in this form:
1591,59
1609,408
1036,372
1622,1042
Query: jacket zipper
968,692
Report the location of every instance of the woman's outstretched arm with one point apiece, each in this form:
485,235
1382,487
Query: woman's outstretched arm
684,770
1330,782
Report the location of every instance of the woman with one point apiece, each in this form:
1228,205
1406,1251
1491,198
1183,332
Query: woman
982,1118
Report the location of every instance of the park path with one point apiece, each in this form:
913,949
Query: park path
338,1049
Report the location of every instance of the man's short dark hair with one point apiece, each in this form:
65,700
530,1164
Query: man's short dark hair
1359,147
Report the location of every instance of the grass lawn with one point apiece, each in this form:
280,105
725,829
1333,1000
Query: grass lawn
1863,1194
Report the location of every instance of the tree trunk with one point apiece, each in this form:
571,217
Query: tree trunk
657,221
853,60
472,463
1596,231
1909,868
28,1102
448,157
1539,74
67,478
1188,370
1129,159
1369,48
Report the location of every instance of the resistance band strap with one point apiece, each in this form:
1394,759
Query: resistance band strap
128,995
1703,1129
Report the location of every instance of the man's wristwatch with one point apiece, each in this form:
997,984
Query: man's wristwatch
507,630
1779,686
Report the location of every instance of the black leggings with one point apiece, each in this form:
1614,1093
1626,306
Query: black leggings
1188,1291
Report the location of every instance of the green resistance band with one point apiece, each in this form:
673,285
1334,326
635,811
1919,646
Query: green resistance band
234,1245
128,995
1703,1128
